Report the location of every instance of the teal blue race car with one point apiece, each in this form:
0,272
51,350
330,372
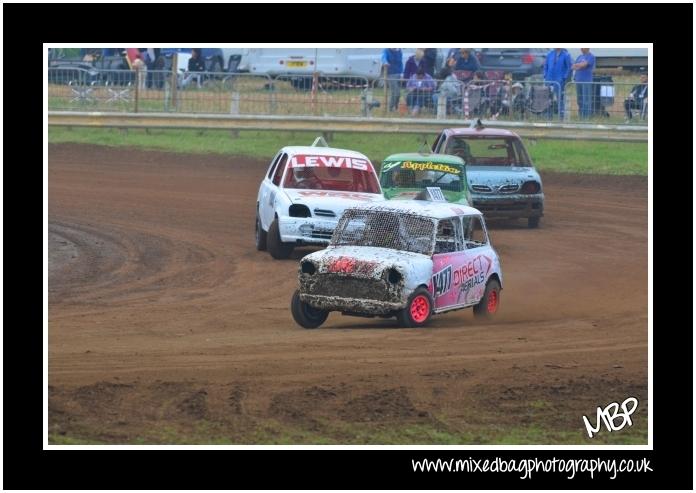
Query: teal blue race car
501,178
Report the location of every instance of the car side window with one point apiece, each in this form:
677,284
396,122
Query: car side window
474,232
272,167
280,169
449,237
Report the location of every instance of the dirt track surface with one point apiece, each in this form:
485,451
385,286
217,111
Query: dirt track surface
163,316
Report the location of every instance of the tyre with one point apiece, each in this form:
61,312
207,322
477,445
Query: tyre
489,304
418,309
305,315
261,235
533,222
275,245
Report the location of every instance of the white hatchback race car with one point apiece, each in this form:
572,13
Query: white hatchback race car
305,191
407,258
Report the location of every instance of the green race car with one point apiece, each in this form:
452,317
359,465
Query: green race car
403,176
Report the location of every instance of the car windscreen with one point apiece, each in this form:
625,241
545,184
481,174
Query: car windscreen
419,175
385,229
331,173
488,150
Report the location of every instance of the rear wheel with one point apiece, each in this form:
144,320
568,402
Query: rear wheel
418,309
306,315
276,247
261,235
489,304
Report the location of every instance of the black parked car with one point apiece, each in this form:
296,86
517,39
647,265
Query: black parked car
521,62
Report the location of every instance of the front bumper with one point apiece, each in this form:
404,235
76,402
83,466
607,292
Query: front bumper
352,305
366,295
509,206
306,230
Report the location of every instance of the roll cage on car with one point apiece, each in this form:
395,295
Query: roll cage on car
404,258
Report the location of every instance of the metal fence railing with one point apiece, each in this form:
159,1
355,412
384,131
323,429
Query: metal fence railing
80,88
76,88
606,102
455,98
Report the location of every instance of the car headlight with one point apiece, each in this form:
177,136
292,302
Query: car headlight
394,276
308,267
530,187
299,210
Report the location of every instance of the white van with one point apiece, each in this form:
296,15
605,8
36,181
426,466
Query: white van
358,62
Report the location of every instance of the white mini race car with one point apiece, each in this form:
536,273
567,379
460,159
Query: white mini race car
406,258
304,193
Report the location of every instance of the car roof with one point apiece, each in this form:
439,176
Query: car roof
418,157
436,210
322,151
488,132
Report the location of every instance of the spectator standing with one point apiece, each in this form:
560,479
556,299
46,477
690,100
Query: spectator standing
140,67
196,66
156,75
420,89
584,67
637,98
413,63
392,61
557,70
430,60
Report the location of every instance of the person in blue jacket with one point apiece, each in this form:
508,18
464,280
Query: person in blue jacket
557,71
584,67
467,61
392,60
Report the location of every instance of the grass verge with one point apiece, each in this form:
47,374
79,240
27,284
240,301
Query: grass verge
613,158
323,432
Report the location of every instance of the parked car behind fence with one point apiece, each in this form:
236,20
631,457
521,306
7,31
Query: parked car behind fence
521,62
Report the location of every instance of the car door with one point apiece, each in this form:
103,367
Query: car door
274,188
264,188
477,263
448,256
461,269
273,185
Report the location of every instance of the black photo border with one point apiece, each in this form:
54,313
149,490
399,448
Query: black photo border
27,26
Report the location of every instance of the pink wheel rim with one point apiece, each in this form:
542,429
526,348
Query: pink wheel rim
492,301
420,308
